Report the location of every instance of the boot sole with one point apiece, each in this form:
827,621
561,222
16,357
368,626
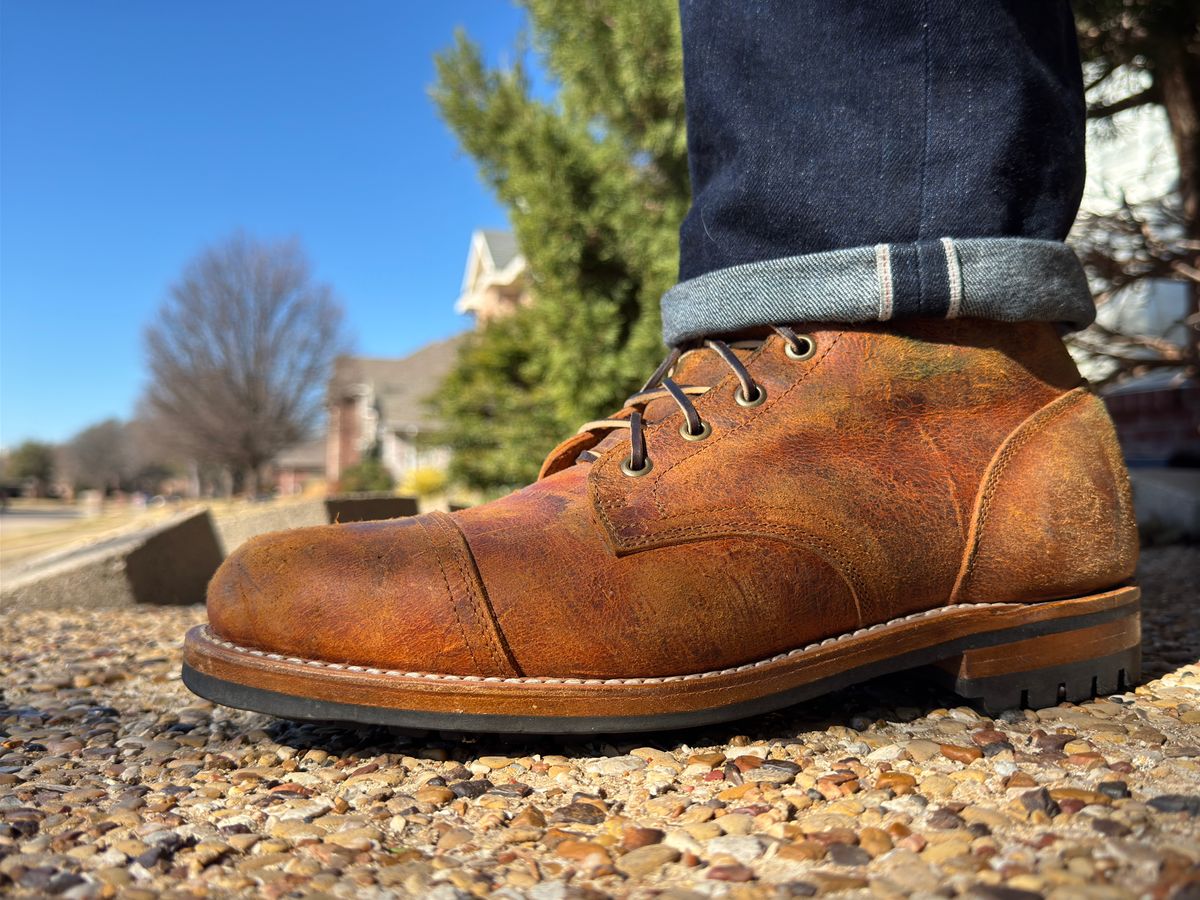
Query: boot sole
1001,656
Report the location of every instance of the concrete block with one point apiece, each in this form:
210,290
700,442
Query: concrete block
167,564
235,528
369,507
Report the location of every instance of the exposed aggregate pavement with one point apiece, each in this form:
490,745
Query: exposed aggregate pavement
115,781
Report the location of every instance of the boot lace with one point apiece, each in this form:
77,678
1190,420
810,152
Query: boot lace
660,385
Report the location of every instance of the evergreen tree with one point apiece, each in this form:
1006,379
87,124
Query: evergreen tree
596,183
33,461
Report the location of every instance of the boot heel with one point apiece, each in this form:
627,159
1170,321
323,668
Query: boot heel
1043,671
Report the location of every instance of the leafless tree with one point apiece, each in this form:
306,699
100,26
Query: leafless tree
1139,53
1132,242
239,352
98,456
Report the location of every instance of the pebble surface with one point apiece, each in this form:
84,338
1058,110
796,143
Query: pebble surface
115,781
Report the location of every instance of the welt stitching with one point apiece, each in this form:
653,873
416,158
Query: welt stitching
936,612
481,613
1025,432
462,630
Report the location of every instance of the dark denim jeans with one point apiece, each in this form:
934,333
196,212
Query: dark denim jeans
856,161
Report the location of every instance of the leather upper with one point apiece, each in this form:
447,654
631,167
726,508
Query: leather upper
850,496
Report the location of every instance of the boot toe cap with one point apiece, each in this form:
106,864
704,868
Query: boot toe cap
377,594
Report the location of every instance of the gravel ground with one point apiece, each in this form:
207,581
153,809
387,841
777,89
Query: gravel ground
116,781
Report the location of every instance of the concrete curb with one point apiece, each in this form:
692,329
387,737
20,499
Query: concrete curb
165,564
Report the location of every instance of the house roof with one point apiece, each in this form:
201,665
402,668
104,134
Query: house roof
501,245
305,455
400,387
494,259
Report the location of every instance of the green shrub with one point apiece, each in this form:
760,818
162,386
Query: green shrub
368,476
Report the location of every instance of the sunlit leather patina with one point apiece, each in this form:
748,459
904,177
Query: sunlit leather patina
919,478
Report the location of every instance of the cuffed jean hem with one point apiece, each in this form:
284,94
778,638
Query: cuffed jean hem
1007,279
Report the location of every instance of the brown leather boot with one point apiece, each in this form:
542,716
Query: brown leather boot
778,518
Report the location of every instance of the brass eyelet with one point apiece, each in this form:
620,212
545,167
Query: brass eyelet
808,348
636,473
756,400
705,431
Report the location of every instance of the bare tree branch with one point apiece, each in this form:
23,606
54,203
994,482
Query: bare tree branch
1119,248
240,351
1141,98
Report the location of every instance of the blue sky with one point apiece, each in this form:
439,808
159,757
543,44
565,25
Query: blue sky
132,134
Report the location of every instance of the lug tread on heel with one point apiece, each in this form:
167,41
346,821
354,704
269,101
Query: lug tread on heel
1044,671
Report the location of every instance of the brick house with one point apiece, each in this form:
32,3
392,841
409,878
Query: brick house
1157,416
383,403
299,467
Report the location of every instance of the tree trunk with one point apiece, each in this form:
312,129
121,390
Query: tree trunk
1177,74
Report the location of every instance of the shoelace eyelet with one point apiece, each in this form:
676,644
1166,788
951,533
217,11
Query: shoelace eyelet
661,385
757,400
627,469
808,348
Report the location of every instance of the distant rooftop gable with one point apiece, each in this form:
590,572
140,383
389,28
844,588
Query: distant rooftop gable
494,281
1168,379
305,455
400,387
501,246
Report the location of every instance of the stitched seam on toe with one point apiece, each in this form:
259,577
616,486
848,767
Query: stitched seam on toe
462,629
481,608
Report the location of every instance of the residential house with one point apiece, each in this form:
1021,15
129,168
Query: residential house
1157,414
496,281
382,405
300,467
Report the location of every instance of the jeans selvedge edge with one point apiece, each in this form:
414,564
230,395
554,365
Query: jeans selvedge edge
1006,279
